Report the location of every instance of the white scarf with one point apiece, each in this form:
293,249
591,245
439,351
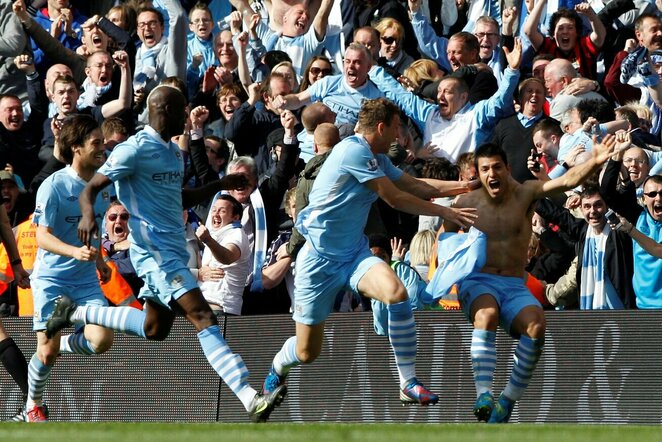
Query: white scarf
596,293
146,63
91,93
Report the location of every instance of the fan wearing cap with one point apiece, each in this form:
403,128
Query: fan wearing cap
17,202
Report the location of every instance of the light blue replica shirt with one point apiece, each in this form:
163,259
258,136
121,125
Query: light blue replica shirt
57,207
341,98
334,220
148,173
647,279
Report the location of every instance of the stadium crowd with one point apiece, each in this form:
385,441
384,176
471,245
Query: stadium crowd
273,86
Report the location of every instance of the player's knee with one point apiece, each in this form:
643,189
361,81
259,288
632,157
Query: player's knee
307,355
202,318
103,345
47,356
394,292
486,319
156,332
537,326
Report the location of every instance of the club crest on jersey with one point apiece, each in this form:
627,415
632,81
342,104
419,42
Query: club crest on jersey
177,281
105,196
373,165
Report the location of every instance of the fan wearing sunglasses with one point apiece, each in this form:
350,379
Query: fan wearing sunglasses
116,242
647,279
391,35
318,67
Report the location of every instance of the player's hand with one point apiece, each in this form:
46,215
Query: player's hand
463,217
399,251
428,151
87,230
473,184
85,253
105,272
279,102
21,277
234,181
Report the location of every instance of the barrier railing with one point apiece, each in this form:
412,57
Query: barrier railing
597,367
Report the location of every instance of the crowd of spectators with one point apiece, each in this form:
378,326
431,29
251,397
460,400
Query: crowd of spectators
274,85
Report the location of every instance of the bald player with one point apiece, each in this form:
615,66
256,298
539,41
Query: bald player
147,171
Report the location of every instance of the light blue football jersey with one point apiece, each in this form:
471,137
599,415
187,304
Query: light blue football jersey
343,99
148,174
57,207
336,216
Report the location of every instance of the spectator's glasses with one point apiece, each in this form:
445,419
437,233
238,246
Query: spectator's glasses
389,40
653,194
316,71
149,24
122,216
480,35
633,161
203,21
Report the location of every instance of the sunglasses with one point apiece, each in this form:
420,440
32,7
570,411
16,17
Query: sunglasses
389,40
122,216
316,71
653,194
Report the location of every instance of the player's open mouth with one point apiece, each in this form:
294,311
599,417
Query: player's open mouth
564,41
97,40
118,230
657,210
494,184
300,24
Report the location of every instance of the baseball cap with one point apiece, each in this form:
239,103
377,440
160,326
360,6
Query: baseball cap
6,175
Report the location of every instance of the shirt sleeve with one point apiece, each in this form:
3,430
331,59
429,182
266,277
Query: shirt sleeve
121,162
47,205
361,164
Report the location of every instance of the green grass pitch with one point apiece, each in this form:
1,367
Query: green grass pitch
165,432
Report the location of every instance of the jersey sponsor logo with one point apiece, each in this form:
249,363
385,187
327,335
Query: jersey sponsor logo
75,219
167,177
373,165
